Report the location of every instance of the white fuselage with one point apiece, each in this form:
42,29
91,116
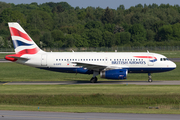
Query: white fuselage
135,62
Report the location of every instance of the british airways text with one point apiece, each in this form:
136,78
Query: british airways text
128,62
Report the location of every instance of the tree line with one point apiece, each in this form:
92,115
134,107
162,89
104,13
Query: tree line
61,25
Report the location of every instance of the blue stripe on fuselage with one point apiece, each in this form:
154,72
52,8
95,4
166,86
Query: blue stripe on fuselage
86,71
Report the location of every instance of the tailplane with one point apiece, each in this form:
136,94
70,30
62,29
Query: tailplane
23,44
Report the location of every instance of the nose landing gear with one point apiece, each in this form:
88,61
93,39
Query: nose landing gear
149,78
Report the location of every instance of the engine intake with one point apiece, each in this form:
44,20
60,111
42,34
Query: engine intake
114,74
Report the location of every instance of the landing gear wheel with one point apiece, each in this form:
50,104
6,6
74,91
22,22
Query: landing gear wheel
93,80
150,80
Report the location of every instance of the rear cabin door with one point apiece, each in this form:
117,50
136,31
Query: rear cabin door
44,60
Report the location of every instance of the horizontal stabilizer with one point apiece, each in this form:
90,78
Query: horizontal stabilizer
15,57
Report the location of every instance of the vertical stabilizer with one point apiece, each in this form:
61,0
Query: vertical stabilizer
23,44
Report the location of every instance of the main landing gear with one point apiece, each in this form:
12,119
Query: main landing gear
149,77
94,78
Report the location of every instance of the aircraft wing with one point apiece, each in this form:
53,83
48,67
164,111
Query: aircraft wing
90,66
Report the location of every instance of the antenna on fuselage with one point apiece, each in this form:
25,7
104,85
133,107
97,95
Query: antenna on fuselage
147,51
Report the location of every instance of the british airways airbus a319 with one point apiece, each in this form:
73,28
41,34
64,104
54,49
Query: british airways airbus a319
111,65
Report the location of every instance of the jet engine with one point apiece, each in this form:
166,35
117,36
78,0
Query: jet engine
114,74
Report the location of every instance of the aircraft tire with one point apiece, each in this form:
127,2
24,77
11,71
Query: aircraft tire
93,80
150,80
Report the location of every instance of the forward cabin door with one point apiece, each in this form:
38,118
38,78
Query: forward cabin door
151,60
44,60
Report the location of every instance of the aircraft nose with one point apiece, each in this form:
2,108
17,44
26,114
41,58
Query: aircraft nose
173,65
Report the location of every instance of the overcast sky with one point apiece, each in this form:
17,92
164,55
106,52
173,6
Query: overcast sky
98,3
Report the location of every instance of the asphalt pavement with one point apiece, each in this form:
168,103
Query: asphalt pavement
27,115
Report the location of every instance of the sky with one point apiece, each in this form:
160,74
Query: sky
99,3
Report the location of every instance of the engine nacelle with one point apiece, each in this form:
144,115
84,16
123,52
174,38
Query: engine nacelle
114,74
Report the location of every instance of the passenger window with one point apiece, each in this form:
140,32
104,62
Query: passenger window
114,59
83,59
117,59
56,59
94,59
97,59
64,59
161,59
89,59
102,59
67,59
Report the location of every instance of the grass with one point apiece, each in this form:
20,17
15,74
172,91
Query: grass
169,54
168,109
91,98
17,72
89,89
85,98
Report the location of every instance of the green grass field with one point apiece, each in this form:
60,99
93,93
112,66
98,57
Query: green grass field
86,98
91,98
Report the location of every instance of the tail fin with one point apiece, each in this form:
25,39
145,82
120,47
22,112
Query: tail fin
23,44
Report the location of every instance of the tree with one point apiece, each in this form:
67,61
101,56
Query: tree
138,33
108,16
121,7
95,37
125,37
176,31
165,33
150,35
117,39
109,27
69,41
9,15
1,42
108,38
47,40
80,41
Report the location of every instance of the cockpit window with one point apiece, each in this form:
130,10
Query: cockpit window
163,59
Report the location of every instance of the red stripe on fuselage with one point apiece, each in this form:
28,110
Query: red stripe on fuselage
16,32
145,57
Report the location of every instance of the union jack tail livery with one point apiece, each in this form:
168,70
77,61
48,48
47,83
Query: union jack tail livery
109,65
23,44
